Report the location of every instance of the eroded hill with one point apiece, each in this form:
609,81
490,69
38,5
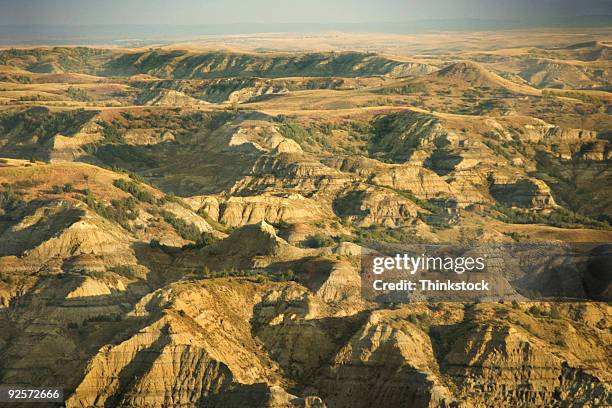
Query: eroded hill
183,228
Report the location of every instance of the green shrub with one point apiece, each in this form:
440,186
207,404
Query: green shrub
128,271
120,211
318,241
514,235
559,217
78,94
112,132
66,188
422,320
172,198
206,239
287,276
381,234
187,231
304,136
44,124
9,199
205,272
135,190
536,311
406,89
429,205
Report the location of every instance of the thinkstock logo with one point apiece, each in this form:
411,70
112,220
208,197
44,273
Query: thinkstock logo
491,272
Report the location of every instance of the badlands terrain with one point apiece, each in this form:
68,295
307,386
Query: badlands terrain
181,226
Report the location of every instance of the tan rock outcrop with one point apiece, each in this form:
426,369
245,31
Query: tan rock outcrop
238,211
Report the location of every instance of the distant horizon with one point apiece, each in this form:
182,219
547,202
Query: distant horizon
578,20
527,20
94,22
104,33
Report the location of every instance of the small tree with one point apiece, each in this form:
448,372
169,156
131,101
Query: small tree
206,239
318,241
205,272
535,311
